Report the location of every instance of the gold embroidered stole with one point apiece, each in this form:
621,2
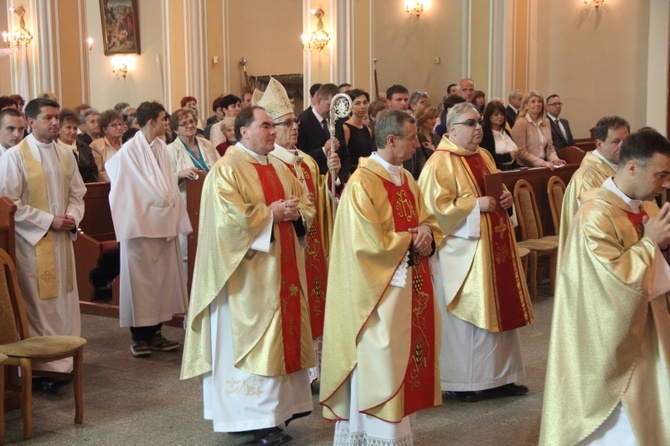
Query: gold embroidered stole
315,262
45,253
419,382
509,298
289,294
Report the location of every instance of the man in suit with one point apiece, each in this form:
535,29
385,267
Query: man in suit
514,98
314,136
560,128
397,97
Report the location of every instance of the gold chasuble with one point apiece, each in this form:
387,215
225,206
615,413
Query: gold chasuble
45,253
388,333
488,286
318,236
268,306
610,339
592,172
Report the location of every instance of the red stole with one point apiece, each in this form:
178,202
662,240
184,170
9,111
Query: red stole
636,220
289,294
510,300
419,382
315,264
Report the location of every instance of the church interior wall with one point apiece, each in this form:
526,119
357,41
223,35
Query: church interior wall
610,61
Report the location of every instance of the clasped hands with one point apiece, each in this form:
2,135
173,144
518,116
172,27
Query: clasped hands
190,173
488,204
62,223
285,210
422,240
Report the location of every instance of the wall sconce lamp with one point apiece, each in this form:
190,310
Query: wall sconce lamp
89,44
319,38
119,68
19,38
414,7
595,3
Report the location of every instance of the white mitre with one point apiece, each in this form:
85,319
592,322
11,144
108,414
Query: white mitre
275,100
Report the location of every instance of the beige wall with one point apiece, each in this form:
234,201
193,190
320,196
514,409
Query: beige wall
610,61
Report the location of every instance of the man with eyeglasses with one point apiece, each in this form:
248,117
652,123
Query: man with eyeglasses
248,332
381,332
316,186
479,279
560,128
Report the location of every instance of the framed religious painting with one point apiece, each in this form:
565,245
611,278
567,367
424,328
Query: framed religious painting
120,26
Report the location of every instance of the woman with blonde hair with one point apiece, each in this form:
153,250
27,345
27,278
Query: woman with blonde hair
532,134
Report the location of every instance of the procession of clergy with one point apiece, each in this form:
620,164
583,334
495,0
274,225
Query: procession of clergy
404,290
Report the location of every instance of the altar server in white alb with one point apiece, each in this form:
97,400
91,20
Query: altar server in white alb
43,181
148,215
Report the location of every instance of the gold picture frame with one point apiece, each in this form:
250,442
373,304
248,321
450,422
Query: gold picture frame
120,26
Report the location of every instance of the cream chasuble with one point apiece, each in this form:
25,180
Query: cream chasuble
592,172
610,339
232,215
369,320
59,316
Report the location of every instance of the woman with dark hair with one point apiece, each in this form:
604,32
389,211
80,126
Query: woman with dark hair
449,102
357,137
106,147
479,100
496,139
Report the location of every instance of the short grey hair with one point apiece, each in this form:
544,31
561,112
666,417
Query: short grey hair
391,122
458,110
88,112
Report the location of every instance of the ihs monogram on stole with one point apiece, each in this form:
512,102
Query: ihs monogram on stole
404,206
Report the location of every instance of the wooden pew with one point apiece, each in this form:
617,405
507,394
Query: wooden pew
97,254
12,399
193,195
586,144
538,178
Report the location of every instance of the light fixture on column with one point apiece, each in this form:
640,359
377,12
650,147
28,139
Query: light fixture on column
19,38
119,67
414,7
319,38
595,3
89,44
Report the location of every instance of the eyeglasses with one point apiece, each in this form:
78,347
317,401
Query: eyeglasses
115,124
187,123
289,122
411,138
471,122
555,103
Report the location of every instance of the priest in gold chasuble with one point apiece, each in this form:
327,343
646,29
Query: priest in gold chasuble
608,373
248,328
306,170
382,333
596,167
480,280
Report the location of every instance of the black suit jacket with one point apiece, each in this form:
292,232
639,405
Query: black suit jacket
510,116
557,137
311,139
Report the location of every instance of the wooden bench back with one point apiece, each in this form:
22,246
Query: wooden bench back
97,219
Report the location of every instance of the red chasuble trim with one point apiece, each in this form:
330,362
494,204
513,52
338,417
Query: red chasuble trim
636,221
289,294
419,382
510,301
315,264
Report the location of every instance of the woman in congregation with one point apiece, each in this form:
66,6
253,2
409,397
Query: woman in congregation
67,138
532,134
374,109
189,154
496,139
417,101
228,130
449,102
428,140
111,126
357,137
479,100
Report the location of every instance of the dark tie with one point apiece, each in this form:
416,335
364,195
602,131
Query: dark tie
324,124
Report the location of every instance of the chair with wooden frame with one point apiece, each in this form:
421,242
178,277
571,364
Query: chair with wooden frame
531,235
571,154
555,192
24,351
